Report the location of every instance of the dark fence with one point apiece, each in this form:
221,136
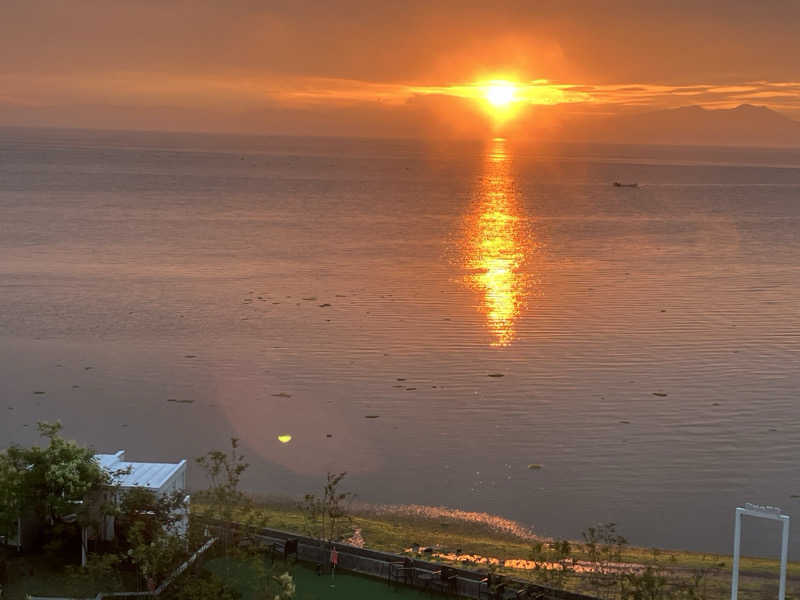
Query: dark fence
396,569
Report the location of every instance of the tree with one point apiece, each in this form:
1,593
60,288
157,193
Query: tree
647,585
235,515
327,517
224,472
51,482
285,588
152,513
554,562
604,546
155,554
101,572
149,524
225,501
695,587
12,488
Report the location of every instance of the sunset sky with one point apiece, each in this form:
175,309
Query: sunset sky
384,68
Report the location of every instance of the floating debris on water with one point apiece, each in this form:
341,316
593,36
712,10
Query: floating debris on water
328,435
625,422
282,395
410,389
284,438
325,305
534,466
371,416
310,298
38,392
495,375
660,394
401,379
190,356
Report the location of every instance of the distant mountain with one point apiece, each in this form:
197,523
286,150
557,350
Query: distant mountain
745,125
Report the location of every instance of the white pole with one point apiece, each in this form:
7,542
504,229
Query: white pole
784,556
737,538
84,544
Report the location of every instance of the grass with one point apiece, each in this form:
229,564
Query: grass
244,578
45,575
396,532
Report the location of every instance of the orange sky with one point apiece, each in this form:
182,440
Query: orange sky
375,68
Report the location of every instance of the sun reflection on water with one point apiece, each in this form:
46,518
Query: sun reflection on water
498,246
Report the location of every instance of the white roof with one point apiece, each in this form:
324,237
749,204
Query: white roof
142,474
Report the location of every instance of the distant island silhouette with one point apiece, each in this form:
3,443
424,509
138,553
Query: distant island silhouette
744,125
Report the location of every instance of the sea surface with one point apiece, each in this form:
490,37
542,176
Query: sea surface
489,326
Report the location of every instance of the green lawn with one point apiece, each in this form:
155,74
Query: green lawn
310,586
397,532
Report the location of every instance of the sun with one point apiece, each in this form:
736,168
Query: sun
500,93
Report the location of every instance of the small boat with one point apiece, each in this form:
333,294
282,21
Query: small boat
618,184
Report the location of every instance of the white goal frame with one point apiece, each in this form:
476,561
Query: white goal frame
765,512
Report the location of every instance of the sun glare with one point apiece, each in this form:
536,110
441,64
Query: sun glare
505,97
500,93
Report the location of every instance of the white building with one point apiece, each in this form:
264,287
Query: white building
160,478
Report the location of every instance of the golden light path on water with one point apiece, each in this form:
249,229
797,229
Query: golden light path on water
498,246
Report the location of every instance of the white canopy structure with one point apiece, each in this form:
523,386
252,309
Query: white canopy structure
765,512
161,478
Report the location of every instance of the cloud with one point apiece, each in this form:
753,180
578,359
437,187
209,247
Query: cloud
427,43
317,60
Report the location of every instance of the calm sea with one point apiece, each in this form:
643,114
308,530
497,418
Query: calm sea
432,318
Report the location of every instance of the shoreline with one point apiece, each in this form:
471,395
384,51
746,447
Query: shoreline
480,541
